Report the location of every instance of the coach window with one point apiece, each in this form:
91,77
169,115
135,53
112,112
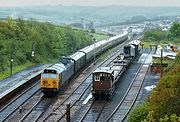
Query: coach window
97,77
102,77
106,78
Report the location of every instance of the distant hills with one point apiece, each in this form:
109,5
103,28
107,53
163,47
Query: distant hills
99,15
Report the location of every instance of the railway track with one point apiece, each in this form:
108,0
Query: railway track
58,113
95,111
121,111
18,102
97,107
106,62
37,110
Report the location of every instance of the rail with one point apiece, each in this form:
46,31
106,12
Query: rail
126,94
113,56
15,101
41,99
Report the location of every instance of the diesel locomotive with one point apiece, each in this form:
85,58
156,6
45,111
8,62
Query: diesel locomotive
57,76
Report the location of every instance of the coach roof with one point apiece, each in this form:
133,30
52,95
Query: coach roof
108,70
135,42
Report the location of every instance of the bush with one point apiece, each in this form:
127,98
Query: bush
139,113
171,118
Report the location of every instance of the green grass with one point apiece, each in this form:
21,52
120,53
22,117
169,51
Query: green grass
100,37
103,56
19,68
177,43
107,53
147,43
16,69
158,60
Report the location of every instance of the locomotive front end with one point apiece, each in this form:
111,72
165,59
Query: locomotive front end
49,82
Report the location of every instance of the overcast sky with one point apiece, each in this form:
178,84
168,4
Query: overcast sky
91,2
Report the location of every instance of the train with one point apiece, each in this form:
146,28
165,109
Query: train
57,76
104,79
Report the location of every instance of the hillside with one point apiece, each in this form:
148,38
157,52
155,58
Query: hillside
31,42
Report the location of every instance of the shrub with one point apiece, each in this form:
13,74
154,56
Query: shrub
171,118
139,113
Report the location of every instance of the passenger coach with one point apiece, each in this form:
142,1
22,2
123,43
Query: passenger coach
103,82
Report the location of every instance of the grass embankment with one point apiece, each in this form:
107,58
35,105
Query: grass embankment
99,36
15,70
19,68
107,53
18,38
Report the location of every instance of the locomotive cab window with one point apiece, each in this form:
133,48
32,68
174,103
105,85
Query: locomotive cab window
53,75
45,75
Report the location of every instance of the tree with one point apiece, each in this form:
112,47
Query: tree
50,41
155,35
139,113
1,62
175,30
11,28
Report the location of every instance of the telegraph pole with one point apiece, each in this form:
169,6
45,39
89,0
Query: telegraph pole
150,47
11,61
32,52
12,52
68,117
142,46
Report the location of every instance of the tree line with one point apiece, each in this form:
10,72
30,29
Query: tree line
31,41
159,36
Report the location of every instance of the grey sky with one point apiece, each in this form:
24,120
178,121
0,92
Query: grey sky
91,2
